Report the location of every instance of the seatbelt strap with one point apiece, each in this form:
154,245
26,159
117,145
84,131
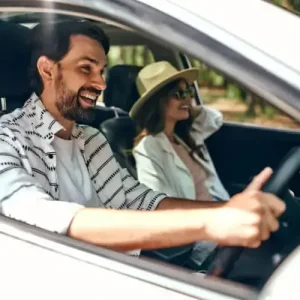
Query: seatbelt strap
116,112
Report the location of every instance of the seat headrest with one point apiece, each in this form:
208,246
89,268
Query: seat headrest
121,88
102,114
14,61
120,133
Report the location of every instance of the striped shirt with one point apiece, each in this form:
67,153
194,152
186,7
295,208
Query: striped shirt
29,187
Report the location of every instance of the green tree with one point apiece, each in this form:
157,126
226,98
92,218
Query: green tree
293,5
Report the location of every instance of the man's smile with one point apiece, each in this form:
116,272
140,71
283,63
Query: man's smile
88,98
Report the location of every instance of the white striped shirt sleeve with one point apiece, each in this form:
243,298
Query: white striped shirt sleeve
22,197
139,196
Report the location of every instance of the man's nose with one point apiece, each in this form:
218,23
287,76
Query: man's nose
99,83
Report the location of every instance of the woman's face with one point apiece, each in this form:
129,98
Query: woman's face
179,103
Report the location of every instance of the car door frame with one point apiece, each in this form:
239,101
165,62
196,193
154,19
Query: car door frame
174,279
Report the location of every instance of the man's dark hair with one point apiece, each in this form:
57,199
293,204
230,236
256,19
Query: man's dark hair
53,41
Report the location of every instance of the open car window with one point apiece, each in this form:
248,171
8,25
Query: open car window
237,103
150,45
62,245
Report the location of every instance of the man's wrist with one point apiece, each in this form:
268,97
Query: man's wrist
204,218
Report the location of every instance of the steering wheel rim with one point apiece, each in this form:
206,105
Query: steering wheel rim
226,256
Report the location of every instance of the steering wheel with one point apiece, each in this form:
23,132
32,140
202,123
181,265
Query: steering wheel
255,266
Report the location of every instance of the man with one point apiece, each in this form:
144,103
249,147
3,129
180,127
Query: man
62,177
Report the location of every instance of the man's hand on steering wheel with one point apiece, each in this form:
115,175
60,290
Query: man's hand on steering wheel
251,216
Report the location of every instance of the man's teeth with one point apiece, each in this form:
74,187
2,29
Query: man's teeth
184,107
93,98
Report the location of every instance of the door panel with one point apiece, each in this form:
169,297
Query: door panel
240,152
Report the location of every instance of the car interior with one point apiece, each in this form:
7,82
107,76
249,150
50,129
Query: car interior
112,119
238,151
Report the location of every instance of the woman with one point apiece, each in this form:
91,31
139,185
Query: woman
170,153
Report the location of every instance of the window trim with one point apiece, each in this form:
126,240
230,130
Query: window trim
148,271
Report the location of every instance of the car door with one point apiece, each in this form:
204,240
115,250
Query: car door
240,151
158,276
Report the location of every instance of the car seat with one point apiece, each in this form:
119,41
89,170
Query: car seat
120,133
102,114
121,90
14,62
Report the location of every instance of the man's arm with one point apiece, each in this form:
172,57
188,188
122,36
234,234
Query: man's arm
176,203
22,198
127,230
246,220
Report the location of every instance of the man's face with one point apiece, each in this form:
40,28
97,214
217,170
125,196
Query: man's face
78,78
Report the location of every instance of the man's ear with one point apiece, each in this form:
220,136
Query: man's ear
45,68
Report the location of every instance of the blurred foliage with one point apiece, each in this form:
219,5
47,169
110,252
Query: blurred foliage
292,5
295,4
132,55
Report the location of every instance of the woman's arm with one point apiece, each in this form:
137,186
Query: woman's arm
206,121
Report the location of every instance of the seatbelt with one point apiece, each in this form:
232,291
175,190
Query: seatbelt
115,111
3,104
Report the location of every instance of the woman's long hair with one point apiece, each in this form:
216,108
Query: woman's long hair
151,119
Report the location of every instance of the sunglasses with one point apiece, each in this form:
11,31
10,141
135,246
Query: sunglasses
182,94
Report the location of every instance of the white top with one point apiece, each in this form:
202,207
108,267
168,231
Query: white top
72,173
160,168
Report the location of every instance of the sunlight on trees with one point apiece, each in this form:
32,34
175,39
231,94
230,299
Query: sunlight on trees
236,103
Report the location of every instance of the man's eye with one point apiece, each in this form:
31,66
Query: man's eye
102,72
86,69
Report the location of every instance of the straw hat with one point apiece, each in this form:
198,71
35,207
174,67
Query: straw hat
154,77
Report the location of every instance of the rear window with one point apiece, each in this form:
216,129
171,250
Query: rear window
130,55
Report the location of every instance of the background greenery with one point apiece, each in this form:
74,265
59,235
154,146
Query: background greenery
235,102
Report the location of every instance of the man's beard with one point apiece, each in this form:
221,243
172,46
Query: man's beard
68,103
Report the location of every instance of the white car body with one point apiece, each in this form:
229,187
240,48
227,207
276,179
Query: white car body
39,265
